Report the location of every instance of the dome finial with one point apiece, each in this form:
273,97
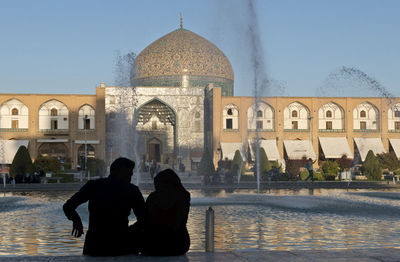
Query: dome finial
180,14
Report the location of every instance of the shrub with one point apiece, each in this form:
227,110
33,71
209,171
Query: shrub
330,170
388,161
293,167
21,164
317,175
265,166
344,163
244,178
371,167
237,164
206,166
47,164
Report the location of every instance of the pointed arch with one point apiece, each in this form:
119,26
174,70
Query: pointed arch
86,117
394,118
299,120
331,117
230,115
366,117
260,116
53,115
14,114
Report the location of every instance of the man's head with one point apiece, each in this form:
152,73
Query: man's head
122,168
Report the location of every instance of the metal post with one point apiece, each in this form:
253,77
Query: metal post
210,230
84,128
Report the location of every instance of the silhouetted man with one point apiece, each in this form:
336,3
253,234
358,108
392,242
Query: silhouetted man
110,202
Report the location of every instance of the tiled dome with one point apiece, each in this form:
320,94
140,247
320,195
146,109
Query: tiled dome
184,59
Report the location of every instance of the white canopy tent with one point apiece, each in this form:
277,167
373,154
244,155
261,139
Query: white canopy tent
366,144
335,147
8,149
395,142
229,149
270,147
298,149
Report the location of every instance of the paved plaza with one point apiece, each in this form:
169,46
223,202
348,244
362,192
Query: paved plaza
354,255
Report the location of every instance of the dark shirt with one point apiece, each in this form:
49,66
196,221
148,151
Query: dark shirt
110,203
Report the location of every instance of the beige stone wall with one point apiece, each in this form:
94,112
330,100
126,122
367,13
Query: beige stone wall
313,104
73,102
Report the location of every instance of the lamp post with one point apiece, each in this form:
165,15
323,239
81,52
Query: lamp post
84,128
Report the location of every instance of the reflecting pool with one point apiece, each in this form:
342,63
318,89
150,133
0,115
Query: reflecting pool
34,224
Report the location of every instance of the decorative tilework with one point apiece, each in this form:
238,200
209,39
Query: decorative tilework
179,53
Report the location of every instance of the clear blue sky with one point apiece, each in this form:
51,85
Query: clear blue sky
70,46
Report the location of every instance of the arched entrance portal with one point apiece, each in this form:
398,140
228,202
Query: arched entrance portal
58,150
156,126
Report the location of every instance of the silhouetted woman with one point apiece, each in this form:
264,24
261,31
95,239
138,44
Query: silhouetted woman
167,213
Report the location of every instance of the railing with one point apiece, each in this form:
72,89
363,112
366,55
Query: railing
231,130
13,129
331,130
54,131
366,130
261,130
394,130
296,130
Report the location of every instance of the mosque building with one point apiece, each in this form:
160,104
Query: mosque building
184,103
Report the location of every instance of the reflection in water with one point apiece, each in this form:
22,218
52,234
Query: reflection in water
34,224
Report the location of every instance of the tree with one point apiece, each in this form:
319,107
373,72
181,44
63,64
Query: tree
237,164
344,162
330,169
206,166
265,166
293,167
389,161
371,167
21,164
47,164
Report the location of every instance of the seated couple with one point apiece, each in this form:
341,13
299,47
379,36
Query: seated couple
160,229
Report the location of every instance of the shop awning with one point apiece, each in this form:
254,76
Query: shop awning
270,148
298,149
366,144
335,147
229,149
10,148
395,145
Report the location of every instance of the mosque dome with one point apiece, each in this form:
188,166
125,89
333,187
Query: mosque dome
184,59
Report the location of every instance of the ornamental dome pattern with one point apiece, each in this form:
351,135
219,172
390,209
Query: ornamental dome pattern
184,59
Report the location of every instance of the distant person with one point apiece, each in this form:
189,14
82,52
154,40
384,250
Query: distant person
309,167
167,214
110,202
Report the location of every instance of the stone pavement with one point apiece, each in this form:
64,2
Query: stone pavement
340,255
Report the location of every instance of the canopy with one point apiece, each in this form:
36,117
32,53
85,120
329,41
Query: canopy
270,148
366,144
335,147
229,149
10,148
297,149
395,145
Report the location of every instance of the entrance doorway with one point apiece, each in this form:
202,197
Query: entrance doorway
154,150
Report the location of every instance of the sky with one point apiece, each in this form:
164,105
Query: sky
70,46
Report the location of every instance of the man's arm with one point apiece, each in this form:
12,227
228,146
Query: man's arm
69,208
139,207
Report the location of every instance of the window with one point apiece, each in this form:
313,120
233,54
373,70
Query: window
229,112
14,112
86,123
53,112
397,125
295,125
396,113
328,125
363,125
14,123
154,125
294,113
229,124
54,124
363,114
329,114
197,115
259,113
259,124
